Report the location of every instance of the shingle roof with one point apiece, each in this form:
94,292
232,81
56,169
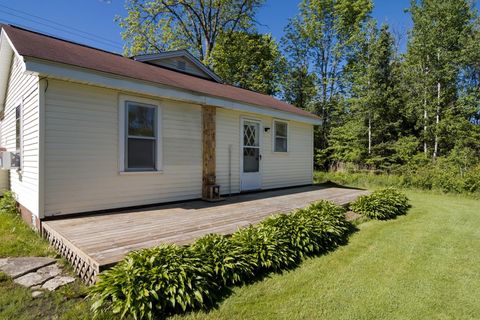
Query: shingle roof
40,46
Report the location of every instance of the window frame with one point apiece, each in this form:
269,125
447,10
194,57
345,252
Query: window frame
124,102
19,134
274,136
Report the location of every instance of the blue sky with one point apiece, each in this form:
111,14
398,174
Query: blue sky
95,18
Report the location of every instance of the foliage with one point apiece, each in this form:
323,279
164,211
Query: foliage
228,261
155,282
170,279
249,60
8,203
381,204
318,43
158,25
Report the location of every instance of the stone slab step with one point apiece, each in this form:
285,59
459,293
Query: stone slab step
17,267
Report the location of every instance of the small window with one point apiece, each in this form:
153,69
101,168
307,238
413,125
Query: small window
18,137
141,137
280,136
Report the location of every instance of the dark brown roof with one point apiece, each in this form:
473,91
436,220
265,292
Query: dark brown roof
36,45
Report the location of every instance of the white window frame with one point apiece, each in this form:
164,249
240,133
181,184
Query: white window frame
274,135
123,139
19,151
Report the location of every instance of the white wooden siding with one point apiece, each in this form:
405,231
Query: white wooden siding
278,169
23,88
81,153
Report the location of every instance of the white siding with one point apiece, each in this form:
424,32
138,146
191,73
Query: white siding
23,88
278,169
82,157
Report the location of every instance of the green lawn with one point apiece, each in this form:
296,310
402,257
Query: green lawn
425,265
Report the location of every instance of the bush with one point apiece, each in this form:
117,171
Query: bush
381,204
228,261
155,282
169,279
8,203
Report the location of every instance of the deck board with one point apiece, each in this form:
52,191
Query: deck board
104,239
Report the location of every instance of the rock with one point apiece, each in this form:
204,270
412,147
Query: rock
36,294
39,277
17,267
57,282
3,261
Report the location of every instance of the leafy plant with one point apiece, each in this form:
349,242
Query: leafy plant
382,204
169,279
155,282
8,203
228,261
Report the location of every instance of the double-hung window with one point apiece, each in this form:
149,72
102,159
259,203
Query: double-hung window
141,148
280,136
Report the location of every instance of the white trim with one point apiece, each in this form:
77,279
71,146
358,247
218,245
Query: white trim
42,86
260,149
274,136
19,103
179,53
107,80
122,100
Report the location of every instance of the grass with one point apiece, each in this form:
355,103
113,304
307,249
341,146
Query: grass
424,265
421,266
16,302
18,240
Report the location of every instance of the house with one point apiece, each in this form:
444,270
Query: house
86,130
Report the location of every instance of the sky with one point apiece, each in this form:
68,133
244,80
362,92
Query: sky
91,22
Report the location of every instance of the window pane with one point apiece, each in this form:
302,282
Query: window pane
280,144
280,129
141,121
251,159
141,154
250,134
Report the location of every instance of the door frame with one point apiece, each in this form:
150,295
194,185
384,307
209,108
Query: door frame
260,148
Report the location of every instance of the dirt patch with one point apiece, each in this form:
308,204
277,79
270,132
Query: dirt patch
352,216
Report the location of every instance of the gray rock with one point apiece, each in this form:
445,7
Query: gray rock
36,294
3,261
17,267
39,277
57,282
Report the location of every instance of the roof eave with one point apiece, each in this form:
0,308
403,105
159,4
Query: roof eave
93,77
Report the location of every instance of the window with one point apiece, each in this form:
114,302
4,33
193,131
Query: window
280,136
18,137
141,140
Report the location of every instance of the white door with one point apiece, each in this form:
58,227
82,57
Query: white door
251,178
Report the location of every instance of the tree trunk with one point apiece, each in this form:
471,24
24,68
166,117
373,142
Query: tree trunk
437,120
369,134
425,119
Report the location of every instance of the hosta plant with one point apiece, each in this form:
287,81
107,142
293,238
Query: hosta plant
381,204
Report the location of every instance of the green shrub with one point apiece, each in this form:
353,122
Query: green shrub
170,279
381,204
228,262
8,203
155,282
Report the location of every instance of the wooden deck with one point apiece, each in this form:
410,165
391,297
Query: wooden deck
95,242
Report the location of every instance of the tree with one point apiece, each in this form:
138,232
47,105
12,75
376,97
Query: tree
435,48
298,85
248,60
329,28
158,25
